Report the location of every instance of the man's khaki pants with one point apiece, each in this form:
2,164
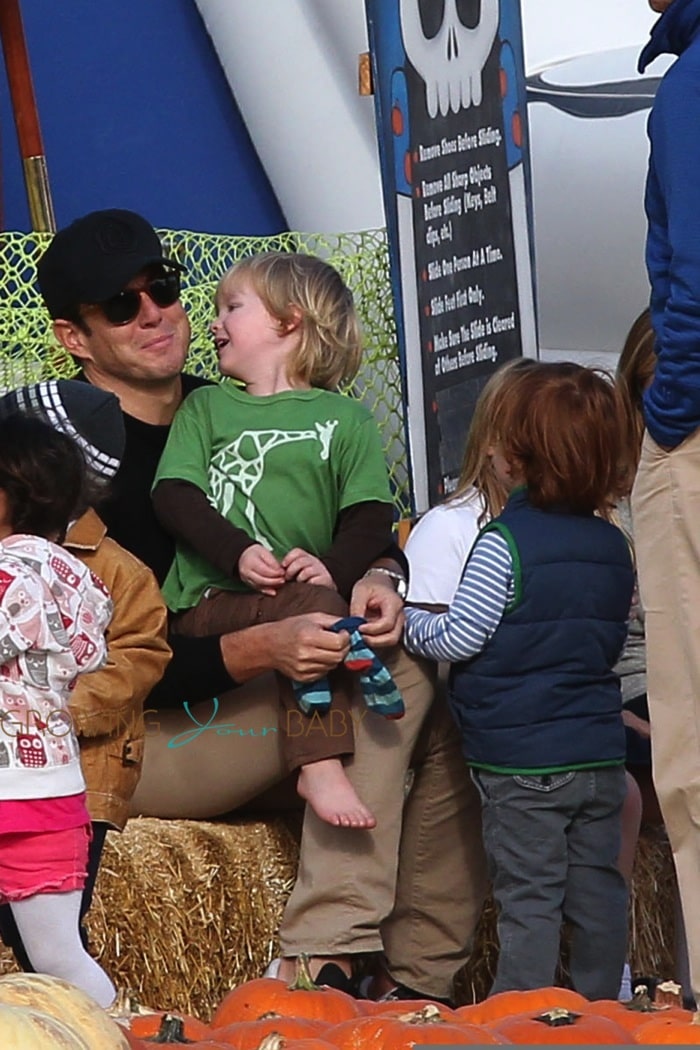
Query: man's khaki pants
412,887
666,521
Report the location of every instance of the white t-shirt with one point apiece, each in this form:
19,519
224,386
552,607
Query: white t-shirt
437,548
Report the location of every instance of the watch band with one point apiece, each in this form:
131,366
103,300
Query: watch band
399,580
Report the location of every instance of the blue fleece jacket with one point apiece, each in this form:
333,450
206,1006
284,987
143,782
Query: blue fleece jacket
672,203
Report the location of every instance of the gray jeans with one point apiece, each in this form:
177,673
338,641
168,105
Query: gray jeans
552,843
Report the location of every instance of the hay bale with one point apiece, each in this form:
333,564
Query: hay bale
652,907
184,910
7,961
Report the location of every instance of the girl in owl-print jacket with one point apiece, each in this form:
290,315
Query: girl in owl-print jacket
53,616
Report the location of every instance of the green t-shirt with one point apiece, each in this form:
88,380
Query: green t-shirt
280,467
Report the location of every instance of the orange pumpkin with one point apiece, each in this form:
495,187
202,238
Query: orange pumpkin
171,1034
302,998
146,1025
397,1007
401,1033
278,1042
635,1013
561,1027
669,1029
534,1000
306,1044
134,1042
248,1035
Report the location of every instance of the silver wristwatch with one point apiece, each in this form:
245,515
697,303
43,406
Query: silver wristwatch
401,584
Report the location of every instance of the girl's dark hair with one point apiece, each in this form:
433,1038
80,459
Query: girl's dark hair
43,475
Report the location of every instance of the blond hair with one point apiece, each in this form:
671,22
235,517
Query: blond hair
303,290
476,469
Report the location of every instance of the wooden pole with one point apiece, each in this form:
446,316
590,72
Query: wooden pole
26,116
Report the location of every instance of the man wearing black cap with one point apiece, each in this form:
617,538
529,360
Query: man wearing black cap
115,301
114,298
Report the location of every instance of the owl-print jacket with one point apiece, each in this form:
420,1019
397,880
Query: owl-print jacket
53,616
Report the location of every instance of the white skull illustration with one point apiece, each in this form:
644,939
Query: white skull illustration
451,59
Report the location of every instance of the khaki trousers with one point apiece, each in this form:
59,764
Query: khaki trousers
413,887
666,520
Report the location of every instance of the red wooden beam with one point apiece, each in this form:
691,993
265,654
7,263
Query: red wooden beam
26,116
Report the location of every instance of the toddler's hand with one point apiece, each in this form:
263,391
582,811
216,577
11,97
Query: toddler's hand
306,568
639,725
259,568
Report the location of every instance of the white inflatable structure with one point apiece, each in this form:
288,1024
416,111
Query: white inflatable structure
292,67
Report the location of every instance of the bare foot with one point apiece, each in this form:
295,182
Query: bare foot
332,797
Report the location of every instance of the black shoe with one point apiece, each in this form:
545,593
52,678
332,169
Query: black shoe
333,976
402,991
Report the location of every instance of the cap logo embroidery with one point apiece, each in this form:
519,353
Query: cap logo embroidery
115,237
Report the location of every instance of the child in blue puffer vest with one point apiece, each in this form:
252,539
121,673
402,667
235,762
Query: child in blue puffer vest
534,630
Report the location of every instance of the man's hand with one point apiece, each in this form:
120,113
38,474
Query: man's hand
303,567
259,568
374,598
299,647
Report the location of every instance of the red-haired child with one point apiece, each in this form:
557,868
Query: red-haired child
533,632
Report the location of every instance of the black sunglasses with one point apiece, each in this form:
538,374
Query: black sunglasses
123,307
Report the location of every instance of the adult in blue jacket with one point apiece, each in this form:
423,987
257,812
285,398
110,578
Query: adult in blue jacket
666,497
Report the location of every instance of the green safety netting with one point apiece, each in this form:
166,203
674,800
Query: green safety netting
28,351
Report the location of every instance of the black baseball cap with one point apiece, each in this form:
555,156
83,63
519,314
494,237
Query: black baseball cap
95,257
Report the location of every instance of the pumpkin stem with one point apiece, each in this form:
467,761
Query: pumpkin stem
273,1041
668,993
640,1001
303,981
430,1014
172,1030
558,1017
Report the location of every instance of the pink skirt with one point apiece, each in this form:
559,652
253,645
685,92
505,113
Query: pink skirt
43,862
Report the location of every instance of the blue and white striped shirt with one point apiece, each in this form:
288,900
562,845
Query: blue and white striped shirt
477,608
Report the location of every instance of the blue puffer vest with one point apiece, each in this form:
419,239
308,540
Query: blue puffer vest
542,695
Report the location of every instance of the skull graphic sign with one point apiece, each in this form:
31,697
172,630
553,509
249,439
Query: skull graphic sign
448,43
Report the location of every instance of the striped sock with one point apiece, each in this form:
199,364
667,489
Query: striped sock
378,687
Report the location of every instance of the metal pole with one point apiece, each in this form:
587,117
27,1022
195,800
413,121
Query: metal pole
26,116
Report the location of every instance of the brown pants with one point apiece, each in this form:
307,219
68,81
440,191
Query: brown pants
305,738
